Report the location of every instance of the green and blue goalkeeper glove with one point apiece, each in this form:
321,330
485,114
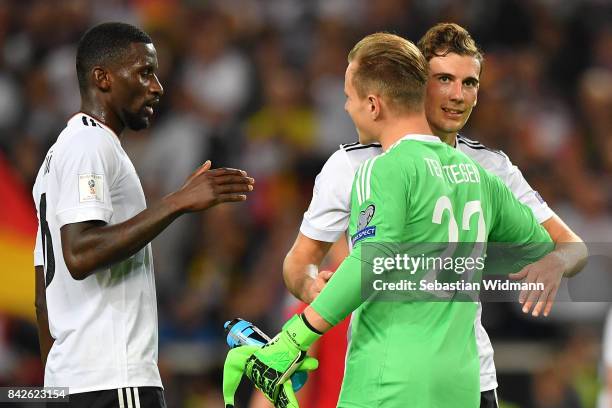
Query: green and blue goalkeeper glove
271,366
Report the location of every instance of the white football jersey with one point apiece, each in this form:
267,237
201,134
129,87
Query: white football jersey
328,214
104,326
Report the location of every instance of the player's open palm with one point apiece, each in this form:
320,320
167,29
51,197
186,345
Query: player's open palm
206,188
548,271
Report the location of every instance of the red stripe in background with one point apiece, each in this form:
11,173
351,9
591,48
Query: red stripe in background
17,212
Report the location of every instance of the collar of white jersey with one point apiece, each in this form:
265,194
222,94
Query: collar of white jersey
420,138
86,119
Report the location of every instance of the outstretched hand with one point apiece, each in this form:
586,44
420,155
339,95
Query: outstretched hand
316,285
206,188
548,271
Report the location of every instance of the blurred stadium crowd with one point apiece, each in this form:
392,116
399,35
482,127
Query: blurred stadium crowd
258,84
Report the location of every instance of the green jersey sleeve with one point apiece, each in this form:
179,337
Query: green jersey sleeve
379,211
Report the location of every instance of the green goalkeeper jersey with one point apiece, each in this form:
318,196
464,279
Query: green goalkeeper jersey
407,352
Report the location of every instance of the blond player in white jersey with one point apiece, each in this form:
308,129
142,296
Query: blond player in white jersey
455,64
95,290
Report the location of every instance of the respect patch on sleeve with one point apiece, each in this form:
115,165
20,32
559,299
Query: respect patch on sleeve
91,188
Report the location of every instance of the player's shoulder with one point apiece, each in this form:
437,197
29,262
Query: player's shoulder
355,146
356,153
84,138
489,158
81,123
392,160
413,145
473,147
84,132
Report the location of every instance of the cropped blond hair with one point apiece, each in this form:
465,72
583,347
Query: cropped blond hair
391,66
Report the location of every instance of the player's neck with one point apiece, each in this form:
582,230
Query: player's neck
103,114
398,127
448,138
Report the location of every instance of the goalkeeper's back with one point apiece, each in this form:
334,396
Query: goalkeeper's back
441,195
423,191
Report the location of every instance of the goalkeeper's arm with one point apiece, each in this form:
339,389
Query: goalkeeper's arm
339,297
270,367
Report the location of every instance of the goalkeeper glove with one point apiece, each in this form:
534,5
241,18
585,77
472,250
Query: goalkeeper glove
271,366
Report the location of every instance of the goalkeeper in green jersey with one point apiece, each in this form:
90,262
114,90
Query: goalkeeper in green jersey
403,353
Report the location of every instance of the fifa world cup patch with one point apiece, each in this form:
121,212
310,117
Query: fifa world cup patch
91,188
363,231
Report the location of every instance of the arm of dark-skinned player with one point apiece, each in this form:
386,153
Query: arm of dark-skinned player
567,259
45,340
88,246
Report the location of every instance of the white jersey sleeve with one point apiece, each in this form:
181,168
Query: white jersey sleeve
499,164
38,250
327,216
85,172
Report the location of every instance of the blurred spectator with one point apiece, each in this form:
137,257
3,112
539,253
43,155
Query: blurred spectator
327,67
10,105
283,128
215,76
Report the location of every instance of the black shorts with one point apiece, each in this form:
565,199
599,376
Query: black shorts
488,399
132,397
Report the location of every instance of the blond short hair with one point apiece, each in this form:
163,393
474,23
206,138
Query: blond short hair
391,66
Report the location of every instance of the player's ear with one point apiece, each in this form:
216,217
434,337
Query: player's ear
374,106
101,79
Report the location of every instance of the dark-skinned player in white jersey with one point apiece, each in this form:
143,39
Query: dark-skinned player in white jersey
95,289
